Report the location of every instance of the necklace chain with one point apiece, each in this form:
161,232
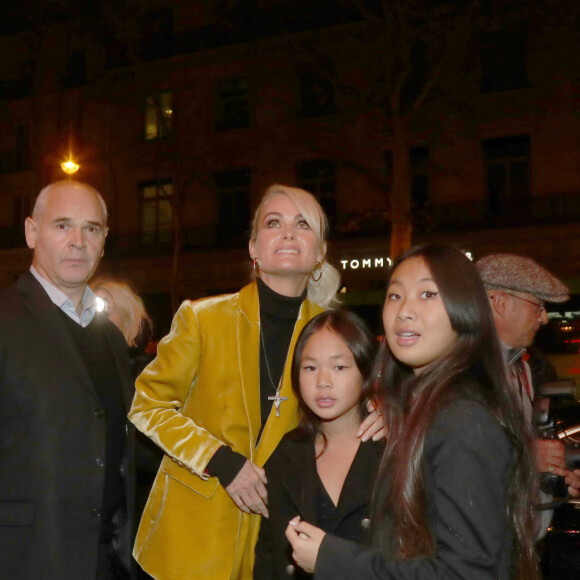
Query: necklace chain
267,364
276,399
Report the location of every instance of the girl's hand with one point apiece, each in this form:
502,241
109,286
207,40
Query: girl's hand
373,425
305,540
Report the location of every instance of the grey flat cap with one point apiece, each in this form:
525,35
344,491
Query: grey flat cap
510,272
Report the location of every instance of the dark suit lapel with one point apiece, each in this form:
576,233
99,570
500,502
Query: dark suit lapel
299,477
358,486
119,350
53,331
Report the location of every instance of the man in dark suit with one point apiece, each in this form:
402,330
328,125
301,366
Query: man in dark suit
65,447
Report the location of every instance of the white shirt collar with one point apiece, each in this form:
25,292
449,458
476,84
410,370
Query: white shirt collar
60,299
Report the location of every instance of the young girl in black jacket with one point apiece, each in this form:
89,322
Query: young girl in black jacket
322,471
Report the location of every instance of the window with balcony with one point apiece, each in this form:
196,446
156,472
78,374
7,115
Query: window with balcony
75,74
420,176
156,211
156,30
233,195
316,96
231,104
507,164
20,209
15,158
158,116
318,176
504,61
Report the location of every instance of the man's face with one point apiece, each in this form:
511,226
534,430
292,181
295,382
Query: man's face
68,237
521,319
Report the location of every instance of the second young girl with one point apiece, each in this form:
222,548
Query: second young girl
321,471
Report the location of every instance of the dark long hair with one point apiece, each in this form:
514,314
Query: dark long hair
412,402
355,333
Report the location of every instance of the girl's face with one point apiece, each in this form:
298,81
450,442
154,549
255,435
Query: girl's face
286,246
417,326
330,382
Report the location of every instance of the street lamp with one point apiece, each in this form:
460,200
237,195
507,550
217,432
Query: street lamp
69,166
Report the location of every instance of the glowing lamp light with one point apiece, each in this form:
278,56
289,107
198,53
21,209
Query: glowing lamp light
69,167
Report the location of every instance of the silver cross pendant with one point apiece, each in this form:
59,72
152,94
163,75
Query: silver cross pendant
277,401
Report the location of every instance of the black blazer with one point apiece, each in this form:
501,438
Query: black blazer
467,460
292,488
52,432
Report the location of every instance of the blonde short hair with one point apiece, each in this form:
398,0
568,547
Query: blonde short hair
133,317
324,291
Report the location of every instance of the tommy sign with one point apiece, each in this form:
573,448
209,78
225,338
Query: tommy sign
365,263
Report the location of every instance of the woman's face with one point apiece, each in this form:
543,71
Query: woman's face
330,382
286,247
417,326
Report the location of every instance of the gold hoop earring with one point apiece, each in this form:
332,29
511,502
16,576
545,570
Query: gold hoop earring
318,266
256,267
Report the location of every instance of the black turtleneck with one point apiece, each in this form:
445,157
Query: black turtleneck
278,315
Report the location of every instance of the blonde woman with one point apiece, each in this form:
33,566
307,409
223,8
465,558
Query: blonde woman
218,398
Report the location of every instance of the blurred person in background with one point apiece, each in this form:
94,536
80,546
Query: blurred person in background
518,288
126,310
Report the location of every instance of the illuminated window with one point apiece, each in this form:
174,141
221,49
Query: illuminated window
231,104
156,211
158,116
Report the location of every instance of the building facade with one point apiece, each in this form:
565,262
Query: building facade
183,133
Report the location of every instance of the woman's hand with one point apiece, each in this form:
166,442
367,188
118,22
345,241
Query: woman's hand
374,424
248,489
305,540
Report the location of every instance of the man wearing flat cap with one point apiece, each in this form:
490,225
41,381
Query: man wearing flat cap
518,288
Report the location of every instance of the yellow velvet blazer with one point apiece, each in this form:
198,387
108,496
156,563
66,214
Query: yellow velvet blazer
201,392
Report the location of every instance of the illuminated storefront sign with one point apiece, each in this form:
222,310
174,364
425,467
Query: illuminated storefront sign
365,263
373,263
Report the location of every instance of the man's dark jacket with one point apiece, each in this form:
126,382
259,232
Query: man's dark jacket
53,443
